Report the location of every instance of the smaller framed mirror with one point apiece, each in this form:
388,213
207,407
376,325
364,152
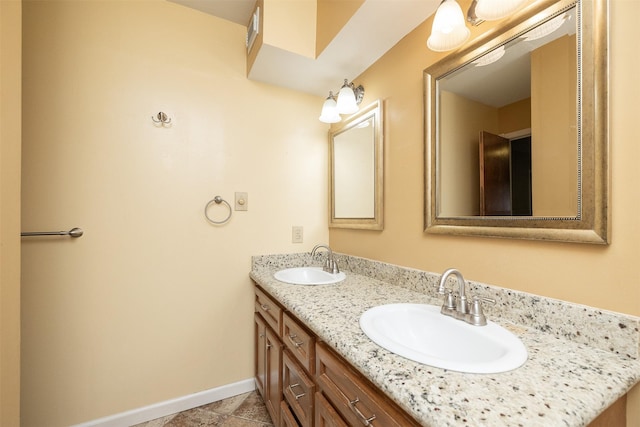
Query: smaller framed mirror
357,170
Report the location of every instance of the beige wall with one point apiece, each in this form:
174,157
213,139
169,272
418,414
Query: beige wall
553,127
599,276
10,127
515,116
285,17
462,121
152,303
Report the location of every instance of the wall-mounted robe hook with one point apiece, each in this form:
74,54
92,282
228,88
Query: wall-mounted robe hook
161,119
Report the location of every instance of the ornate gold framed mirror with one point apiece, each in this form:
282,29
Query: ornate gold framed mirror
516,128
357,170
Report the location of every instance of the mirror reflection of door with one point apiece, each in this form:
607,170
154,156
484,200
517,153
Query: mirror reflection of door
505,175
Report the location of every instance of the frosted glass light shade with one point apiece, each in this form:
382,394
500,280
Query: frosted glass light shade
545,29
449,30
490,57
329,112
491,10
346,100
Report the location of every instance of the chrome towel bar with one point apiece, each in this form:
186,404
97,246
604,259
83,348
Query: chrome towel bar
74,232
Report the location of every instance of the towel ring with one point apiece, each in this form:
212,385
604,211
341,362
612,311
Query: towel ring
217,200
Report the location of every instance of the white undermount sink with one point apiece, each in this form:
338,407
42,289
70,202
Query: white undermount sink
308,276
421,333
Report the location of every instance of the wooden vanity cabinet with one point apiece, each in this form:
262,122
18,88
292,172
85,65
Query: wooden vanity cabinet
305,384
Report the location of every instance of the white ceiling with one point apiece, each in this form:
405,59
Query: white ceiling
374,29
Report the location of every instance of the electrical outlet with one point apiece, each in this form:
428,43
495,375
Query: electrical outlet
296,234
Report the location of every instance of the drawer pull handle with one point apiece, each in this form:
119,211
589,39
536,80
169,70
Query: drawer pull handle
269,346
265,307
295,343
297,396
365,420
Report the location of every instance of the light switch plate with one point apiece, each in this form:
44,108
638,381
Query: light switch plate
297,234
242,201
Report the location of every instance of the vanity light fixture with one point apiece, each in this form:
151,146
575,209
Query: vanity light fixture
449,30
347,102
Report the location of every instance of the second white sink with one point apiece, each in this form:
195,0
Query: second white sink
421,333
308,276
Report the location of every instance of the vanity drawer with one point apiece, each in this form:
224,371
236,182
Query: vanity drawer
300,342
286,416
269,310
353,398
298,389
326,416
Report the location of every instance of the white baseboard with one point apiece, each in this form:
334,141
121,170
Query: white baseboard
168,407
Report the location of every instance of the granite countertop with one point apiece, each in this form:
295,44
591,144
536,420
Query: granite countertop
569,378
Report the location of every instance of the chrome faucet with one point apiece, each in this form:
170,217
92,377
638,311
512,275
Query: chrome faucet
459,307
330,265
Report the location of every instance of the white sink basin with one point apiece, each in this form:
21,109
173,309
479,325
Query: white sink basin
421,333
308,276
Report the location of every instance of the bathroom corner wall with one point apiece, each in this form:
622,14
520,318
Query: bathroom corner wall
153,302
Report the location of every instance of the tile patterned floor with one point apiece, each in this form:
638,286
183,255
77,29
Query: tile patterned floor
244,410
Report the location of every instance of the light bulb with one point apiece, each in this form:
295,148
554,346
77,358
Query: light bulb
491,10
329,112
346,103
449,30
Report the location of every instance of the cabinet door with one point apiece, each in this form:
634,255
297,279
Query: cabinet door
273,383
260,360
326,416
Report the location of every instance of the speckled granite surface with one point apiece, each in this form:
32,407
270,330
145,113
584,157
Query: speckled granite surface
581,359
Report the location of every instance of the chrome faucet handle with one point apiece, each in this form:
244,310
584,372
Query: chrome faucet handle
476,315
